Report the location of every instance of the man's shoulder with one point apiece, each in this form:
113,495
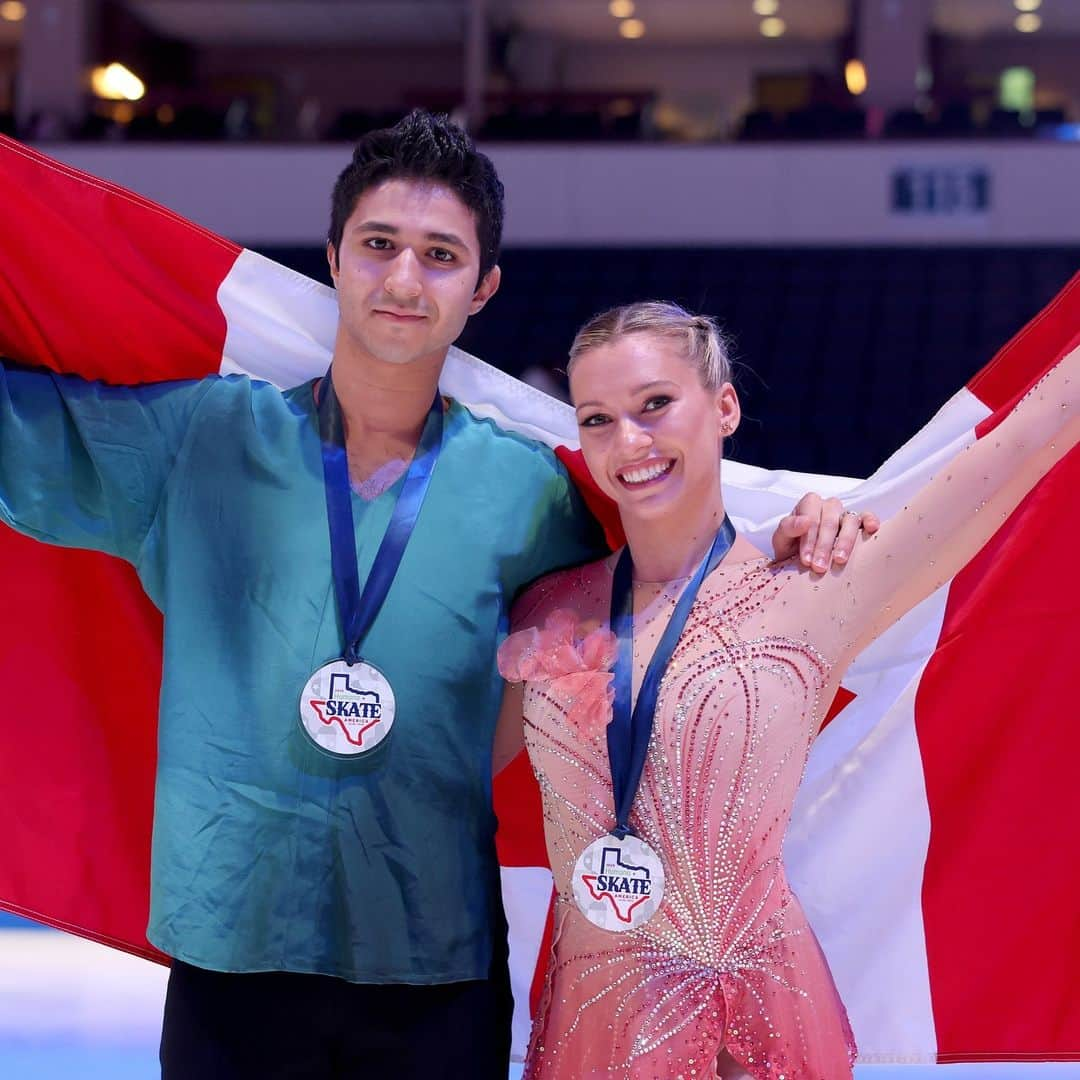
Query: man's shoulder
254,396
239,384
506,447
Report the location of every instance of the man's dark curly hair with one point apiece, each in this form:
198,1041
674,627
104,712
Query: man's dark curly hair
424,146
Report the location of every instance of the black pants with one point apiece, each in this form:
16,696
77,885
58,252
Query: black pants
284,1026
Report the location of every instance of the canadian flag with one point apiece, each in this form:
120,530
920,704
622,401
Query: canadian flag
934,840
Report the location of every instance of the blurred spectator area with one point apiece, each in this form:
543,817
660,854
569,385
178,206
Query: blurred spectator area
862,282
556,70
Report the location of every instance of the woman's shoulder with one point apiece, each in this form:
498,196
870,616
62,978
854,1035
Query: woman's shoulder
559,630
584,590
783,599
750,593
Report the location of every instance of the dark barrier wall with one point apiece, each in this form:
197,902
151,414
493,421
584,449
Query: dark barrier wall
842,353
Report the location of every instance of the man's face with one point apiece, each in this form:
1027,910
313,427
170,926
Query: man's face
407,275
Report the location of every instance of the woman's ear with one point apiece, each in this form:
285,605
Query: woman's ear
727,405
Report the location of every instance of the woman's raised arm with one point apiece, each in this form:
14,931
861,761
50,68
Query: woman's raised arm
946,524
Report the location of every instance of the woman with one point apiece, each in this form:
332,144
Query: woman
679,948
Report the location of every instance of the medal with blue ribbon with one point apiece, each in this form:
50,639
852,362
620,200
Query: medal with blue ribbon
618,880
347,706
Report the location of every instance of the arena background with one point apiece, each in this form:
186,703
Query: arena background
866,249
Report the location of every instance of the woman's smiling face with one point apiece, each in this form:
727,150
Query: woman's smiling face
651,432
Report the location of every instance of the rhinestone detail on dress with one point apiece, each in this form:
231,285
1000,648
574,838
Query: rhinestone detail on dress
728,960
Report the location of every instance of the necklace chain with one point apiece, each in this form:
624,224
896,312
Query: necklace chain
663,584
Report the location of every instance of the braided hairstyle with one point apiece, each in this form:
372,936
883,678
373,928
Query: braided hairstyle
700,335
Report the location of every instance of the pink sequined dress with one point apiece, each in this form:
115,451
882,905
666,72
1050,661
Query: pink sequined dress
728,961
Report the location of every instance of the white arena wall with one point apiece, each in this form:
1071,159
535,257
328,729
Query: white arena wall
969,193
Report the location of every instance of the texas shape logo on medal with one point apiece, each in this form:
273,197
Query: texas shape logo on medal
354,709
624,887
347,710
618,884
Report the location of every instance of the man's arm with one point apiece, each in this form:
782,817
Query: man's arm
83,464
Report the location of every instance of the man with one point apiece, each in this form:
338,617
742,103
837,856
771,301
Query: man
323,871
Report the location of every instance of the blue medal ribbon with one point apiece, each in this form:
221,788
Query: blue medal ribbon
629,731
358,609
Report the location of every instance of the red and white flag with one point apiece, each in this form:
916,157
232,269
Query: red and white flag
933,843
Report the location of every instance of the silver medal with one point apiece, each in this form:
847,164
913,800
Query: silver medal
347,709
618,884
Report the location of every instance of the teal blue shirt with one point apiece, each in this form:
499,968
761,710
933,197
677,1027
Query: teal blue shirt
269,854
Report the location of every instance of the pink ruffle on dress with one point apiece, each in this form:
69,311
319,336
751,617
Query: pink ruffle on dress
728,960
573,665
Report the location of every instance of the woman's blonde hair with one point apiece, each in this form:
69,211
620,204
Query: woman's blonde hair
701,337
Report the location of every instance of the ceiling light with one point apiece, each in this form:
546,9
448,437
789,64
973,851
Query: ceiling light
855,77
632,28
12,11
116,83
766,7
1027,24
621,9
1027,5
773,27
